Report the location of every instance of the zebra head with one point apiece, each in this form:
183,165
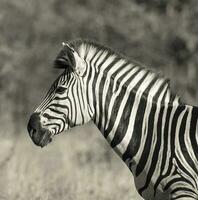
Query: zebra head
65,103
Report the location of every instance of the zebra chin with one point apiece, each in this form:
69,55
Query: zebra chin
41,138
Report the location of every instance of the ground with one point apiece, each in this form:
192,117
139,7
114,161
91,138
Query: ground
75,166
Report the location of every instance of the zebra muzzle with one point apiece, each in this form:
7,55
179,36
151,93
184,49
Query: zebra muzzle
46,139
39,135
40,138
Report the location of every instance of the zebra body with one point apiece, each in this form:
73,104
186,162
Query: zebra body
151,130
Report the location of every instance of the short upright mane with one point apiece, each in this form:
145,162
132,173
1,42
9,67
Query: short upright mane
76,44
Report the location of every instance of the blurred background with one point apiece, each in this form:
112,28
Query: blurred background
162,34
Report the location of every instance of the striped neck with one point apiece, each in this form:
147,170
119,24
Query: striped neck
109,77
125,99
150,129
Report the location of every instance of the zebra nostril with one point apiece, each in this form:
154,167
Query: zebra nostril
33,123
32,131
29,128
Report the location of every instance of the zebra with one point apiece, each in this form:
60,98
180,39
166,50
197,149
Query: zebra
147,125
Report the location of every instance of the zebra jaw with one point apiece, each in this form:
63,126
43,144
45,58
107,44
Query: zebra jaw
42,142
45,139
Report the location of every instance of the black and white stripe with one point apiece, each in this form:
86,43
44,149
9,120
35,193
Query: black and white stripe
145,123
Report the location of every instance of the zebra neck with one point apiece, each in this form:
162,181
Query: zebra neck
127,102
120,95
122,114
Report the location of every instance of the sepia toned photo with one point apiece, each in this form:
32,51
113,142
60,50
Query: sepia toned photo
99,100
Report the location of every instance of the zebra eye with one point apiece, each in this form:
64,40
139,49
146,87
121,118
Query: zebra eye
60,90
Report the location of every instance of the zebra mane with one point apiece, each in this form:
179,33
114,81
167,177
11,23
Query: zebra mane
89,44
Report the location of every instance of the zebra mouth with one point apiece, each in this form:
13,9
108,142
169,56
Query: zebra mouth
46,139
40,139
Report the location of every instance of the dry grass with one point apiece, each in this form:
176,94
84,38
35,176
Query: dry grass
77,166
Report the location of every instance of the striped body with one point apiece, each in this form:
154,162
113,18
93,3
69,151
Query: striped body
151,130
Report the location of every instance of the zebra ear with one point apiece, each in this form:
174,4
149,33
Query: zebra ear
68,58
65,58
80,66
